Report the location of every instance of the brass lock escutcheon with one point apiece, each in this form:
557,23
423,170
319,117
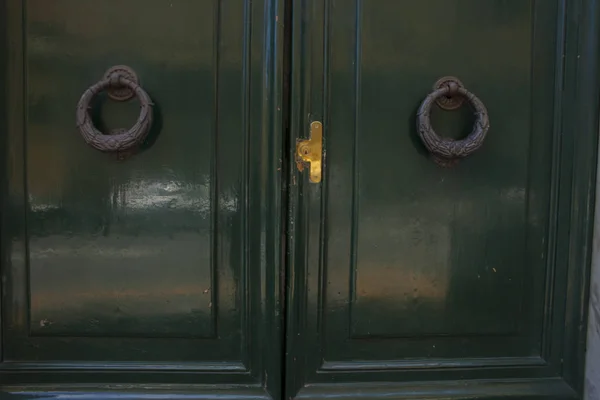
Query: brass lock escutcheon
311,152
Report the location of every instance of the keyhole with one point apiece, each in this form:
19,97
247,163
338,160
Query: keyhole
306,152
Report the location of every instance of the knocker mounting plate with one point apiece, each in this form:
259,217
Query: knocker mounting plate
121,93
449,103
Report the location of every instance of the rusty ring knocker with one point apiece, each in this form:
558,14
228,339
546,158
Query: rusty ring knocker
119,140
445,150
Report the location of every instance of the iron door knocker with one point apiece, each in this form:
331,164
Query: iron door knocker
449,94
122,84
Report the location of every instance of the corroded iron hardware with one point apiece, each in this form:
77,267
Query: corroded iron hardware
311,152
449,94
121,84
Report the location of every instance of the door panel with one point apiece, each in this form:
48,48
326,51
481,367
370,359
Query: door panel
151,263
426,241
407,271
169,246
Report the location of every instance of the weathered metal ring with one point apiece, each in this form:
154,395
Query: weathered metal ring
122,141
447,149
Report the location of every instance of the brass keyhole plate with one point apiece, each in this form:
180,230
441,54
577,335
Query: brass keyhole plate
311,152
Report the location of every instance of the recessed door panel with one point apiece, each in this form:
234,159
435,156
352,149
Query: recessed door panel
427,260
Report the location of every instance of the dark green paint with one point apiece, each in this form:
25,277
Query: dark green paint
162,269
402,271
162,276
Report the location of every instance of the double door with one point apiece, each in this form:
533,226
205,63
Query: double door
305,199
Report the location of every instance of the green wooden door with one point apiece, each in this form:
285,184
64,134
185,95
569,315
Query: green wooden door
157,271
195,258
409,279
